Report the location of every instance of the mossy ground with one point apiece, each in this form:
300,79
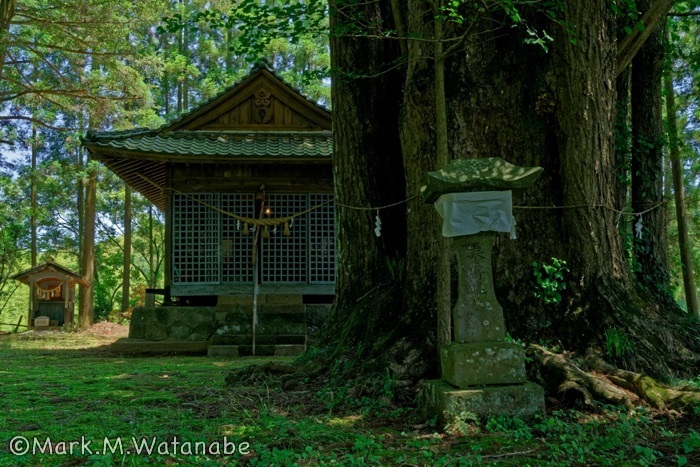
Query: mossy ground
66,386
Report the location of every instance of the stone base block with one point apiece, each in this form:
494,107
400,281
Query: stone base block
482,363
222,351
284,299
246,300
450,404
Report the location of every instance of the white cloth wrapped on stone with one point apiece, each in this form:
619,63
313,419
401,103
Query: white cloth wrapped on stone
473,212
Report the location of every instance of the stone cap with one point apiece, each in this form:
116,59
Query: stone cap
486,174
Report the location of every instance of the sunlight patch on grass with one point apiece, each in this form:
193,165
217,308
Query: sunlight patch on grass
347,421
123,394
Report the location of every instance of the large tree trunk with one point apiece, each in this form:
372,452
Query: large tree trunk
650,239
509,100
368,173
424,255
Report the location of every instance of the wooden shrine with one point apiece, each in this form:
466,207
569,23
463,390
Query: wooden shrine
52,294
214,161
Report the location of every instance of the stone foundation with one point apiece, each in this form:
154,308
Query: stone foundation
482,363
437,397
282,320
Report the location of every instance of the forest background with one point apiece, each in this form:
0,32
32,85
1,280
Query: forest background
70,67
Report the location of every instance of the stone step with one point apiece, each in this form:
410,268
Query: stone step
282,309
143,346
260,350
285,350
263,329
238,312
246,339
276,319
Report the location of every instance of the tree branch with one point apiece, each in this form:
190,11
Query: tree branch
34,120
628,47
687,13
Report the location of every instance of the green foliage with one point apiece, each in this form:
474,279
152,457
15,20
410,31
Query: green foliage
463,423
617,343
629,13
517,12
13,234
61,63
517,428
549,280
396,269
683,59
210,46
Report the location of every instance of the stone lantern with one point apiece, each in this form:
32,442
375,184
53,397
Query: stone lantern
482,374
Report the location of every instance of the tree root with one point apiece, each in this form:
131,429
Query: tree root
602,383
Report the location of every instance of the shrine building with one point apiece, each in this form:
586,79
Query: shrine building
260,150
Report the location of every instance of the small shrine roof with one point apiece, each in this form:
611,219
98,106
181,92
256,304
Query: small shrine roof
48,265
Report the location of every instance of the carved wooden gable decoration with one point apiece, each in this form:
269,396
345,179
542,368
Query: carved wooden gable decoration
261,102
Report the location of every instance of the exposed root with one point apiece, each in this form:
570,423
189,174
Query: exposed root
659,396
600,382
562,378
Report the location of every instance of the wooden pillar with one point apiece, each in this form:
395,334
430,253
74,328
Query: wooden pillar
30,321
66,301
168,194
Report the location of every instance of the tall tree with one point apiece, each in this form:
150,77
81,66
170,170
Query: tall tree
33,196
61,57
684,244
87,257
126,274
13,235
650,238
366,133
530,107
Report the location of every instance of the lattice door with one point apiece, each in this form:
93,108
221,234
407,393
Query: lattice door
321,240
236,265
195,239
209,247
284,258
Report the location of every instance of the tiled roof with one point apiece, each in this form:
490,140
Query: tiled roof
233,145
141,156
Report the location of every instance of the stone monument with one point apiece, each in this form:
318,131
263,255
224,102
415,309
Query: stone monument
482,374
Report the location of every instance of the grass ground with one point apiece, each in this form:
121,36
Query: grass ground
175,410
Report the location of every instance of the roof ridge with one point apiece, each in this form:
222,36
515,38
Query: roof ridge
257,68
262,64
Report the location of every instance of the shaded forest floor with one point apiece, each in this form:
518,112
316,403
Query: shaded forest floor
70,387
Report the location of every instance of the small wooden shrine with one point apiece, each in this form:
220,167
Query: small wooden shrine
52,294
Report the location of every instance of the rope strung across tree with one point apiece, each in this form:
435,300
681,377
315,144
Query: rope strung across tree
266,222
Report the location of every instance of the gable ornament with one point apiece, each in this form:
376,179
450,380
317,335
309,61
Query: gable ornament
263,112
